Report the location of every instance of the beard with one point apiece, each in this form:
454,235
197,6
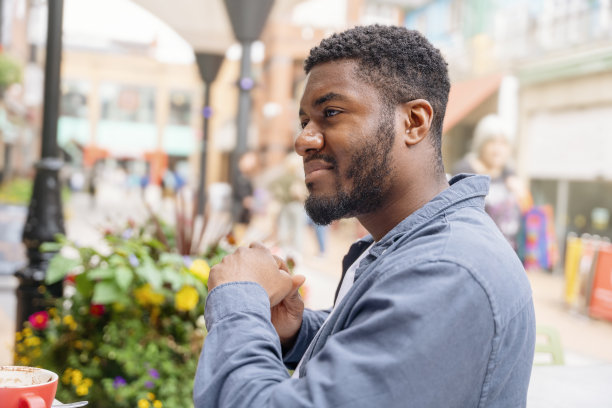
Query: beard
369,171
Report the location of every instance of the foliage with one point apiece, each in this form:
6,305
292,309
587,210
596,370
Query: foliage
19,190
130,332
16,191
10,71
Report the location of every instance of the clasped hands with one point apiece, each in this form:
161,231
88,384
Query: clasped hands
257,264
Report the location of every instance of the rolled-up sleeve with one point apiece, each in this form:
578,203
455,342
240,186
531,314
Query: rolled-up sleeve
419,337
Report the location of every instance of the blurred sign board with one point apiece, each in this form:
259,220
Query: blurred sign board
570,144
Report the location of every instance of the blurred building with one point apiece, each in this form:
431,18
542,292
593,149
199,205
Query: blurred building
545,66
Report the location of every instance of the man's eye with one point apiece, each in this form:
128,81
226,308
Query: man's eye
331,112
303,124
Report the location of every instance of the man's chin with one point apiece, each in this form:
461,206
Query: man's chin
325,208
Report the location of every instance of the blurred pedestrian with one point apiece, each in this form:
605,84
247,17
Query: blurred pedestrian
321,234
243,191
490,155
289,190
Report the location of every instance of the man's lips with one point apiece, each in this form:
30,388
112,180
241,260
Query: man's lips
313,166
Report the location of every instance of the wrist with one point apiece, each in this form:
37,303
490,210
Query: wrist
287,343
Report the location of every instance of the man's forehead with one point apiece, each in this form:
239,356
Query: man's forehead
334,80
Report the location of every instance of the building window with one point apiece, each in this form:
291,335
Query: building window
73,101
127,103
181,103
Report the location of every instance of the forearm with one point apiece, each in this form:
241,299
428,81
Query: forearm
239,331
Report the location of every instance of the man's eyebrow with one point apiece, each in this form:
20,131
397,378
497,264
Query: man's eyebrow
330,96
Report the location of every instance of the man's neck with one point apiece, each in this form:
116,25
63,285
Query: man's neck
401,204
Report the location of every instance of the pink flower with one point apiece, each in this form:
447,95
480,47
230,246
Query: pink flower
96,310
39,320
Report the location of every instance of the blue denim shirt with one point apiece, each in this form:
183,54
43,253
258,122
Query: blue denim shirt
440,315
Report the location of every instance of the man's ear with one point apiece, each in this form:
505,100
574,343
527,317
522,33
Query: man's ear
417,116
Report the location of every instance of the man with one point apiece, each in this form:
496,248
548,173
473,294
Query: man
433,310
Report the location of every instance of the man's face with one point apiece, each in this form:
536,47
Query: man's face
346,140
495,152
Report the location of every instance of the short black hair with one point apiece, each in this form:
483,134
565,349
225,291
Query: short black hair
401,63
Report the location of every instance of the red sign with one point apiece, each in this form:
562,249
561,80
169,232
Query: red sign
601,294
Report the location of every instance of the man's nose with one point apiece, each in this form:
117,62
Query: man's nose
309,140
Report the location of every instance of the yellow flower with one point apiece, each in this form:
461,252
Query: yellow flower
88,382
78,344
143,403
77,378
118,307
186,299
82,390
68,320
200,269
32,342
67,376
27,332
146,296
53,312
150,396
157,404
18,336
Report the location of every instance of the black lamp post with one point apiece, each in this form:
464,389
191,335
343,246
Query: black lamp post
248,18
208,65
45,218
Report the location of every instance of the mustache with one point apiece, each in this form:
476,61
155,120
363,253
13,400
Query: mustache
322,156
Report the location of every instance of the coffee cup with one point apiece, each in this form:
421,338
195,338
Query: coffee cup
27,387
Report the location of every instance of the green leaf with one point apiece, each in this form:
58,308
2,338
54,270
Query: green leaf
124,277
150,274
156,244
173,278
59,268
83,285
116,260
105,292
50,247
100,273
169,258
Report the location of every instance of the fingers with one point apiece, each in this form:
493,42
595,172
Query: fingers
282,265
298,280
258,245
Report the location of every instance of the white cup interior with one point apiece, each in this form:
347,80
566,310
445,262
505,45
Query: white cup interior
16,376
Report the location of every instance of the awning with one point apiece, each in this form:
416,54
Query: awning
465,96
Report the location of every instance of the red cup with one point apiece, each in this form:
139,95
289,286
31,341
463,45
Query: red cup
27,387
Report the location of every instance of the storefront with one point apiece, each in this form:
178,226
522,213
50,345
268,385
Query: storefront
565,140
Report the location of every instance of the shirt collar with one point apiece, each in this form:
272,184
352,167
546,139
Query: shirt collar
465,190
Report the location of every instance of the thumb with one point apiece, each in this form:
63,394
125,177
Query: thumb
297,281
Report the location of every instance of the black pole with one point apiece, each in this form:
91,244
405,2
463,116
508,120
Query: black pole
248,18
45,218
207,112
245,85
209,65
244,99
